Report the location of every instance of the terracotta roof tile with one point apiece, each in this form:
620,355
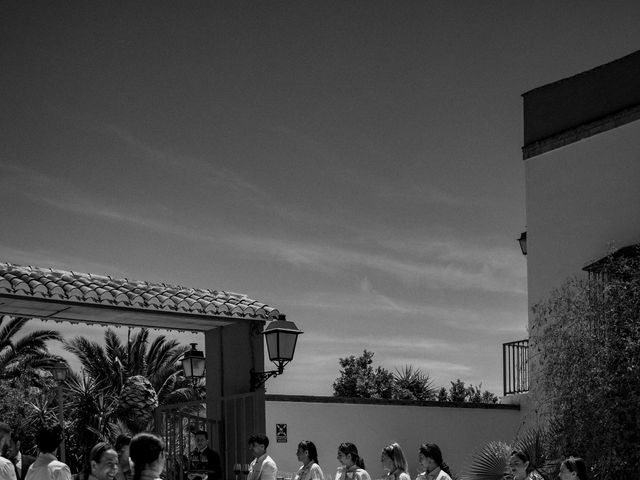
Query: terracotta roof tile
30,281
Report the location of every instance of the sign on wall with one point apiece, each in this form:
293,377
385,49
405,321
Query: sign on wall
281,433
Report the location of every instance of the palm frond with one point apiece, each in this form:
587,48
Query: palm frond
489,463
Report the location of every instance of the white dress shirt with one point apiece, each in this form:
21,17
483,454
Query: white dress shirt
262,468
47,467
7,470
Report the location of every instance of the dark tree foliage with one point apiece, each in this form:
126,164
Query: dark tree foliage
459,392
359,379
588,338
443,396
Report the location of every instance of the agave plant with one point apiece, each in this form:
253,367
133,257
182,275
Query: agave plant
411,384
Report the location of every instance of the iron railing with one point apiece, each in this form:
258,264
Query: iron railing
515,367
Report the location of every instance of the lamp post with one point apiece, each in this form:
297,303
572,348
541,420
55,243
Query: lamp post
281,336
523,242
193,364
59,371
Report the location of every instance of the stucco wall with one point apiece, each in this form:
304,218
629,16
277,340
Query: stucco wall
458,431
580,199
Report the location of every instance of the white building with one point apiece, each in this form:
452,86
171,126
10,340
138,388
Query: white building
582,168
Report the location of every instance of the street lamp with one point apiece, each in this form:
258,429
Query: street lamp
193,364
281,337
59,370
523,242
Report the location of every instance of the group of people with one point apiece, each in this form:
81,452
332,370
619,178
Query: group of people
143,457
139,458
394,464
352,467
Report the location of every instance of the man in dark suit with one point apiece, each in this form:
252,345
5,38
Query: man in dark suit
20,462
204,458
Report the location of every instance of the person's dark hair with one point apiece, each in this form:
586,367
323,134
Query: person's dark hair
122,441
310,448
95,455
48,438
16,436
350,449
576,464
260,439
431,450
203,433
145,448
524,456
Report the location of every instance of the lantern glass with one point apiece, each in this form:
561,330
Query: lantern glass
59,372
193,363
281,337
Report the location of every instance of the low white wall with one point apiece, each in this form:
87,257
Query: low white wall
327,423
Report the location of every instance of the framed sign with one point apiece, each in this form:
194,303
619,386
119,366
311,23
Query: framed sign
281,433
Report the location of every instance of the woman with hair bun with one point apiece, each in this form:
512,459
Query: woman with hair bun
351,465
430,458
147,453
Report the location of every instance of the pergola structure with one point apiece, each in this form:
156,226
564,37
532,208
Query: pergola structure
232,324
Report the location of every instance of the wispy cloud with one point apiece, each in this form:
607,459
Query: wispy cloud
330,258
208,170
333,162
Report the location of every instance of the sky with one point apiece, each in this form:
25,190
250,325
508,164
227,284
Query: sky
355,164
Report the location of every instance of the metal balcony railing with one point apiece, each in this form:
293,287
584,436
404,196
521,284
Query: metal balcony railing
515,367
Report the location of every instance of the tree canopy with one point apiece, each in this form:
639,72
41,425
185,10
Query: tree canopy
359,379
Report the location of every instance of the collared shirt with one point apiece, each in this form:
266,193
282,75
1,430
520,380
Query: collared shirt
398,475
262,468
310,471
47,467
7,469
436,474
352,473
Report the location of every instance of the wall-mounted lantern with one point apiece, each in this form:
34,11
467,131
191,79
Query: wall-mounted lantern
523,242
193,364
281,336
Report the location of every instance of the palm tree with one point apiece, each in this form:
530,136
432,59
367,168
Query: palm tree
23,357
141,374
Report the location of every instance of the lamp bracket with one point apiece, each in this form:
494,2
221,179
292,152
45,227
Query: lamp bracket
259,378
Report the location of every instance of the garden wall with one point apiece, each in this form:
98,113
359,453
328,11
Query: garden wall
458,429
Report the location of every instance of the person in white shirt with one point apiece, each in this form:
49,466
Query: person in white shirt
262,467
430,458
307,453
351,463
46,465
7,469
394,462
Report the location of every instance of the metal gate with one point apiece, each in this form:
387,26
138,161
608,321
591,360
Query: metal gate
176,424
